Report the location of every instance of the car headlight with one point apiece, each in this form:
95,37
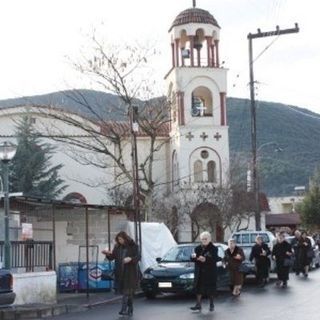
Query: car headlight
148,276
187,276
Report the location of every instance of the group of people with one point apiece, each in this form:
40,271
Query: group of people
297,256
205,256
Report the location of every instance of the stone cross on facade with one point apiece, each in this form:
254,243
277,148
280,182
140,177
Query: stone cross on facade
218,136
204,136
194,3
189,136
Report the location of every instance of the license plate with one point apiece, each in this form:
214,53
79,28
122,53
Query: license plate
165,285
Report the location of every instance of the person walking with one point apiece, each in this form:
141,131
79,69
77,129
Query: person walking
126,256
305,254
260,253
282,253
205,257
296,250
234,256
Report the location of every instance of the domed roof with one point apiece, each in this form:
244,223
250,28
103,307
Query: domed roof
194,15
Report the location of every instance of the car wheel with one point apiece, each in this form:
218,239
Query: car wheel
150,295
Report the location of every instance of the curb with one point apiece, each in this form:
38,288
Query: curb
24,312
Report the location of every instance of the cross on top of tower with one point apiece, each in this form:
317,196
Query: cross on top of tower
194,3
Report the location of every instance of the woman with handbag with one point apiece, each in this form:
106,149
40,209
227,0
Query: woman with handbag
234,257
305,254
260,253
282,254
205,257
126,257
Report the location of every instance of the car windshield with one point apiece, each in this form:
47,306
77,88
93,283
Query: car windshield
178,254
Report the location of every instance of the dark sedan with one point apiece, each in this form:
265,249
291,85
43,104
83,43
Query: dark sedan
174,273
7,296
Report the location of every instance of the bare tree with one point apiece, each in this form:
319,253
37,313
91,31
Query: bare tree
97,140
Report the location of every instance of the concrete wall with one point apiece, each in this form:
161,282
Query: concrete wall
36,287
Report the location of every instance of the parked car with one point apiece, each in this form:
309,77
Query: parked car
247,239
7,296
316,259
174,273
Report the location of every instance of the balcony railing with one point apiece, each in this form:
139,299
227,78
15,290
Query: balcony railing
30,254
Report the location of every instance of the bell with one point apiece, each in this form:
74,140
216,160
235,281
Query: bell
197,43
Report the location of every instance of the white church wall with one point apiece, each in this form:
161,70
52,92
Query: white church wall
77,177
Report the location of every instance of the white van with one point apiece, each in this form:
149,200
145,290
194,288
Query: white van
247,239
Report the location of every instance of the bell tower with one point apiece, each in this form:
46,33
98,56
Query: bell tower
197,85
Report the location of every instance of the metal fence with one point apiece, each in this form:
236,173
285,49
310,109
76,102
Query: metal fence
30,254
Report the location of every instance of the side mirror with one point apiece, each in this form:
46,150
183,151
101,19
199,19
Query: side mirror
158,260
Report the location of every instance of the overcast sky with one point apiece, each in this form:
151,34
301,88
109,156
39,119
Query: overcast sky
37,36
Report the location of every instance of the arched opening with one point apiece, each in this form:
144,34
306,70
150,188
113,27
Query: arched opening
207,217
199,47
202,102
175,170
185,48
198,171
211,169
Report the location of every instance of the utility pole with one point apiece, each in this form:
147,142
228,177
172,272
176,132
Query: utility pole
134,128
255,185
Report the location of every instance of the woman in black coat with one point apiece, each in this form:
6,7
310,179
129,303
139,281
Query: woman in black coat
205,274
260,253
126,256
305,254
282,251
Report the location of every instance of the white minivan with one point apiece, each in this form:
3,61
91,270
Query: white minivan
247,239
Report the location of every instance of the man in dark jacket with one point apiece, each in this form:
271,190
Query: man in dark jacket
205,277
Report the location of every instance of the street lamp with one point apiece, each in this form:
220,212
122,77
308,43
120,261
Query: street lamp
7,152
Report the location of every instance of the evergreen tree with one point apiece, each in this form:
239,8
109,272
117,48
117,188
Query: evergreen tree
31,170
310,208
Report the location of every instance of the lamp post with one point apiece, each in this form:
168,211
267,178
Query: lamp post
7,152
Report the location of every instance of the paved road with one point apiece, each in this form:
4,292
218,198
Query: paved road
300,301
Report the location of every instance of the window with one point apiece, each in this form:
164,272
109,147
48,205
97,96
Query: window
211,167
198,171
201,104
246,238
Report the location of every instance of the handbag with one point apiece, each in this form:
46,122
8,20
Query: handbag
244,268
310,254
288,262
107,275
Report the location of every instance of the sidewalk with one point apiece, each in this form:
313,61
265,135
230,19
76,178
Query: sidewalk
66,303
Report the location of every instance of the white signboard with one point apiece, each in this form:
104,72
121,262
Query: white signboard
27,231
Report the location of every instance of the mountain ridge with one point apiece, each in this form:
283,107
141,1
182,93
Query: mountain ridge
293,130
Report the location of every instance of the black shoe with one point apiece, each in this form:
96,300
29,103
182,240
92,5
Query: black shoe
297,273
284,285
130,311
211,308
197,307
305,275
124,312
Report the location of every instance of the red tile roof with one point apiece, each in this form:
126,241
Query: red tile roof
194,15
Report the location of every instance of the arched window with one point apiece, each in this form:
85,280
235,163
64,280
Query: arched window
202,102
198,171
211,168
175,170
